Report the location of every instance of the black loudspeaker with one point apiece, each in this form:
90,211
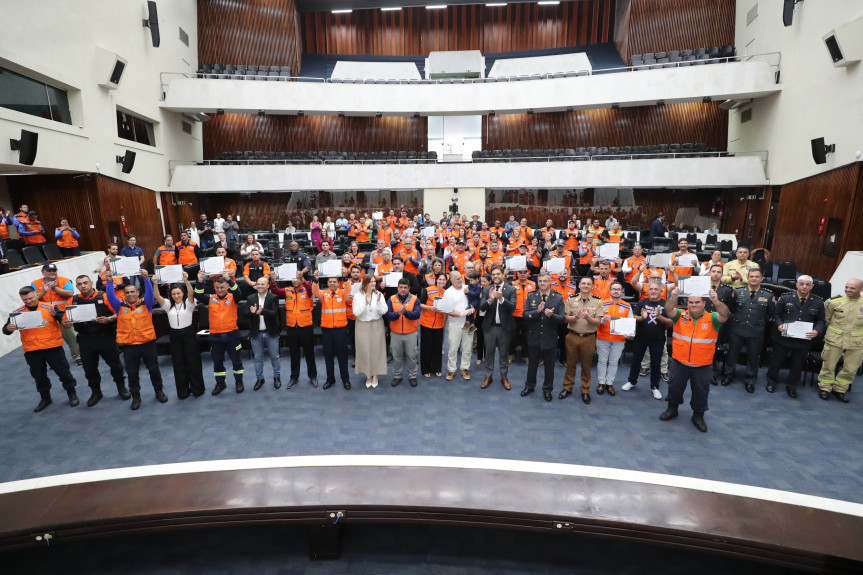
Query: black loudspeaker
820,150
152,22
833,48
117,72
788,12
128,161
26,147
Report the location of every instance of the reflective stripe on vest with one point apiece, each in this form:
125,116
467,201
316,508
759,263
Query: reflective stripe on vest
689,349
222,313
298,308
134,324
428,318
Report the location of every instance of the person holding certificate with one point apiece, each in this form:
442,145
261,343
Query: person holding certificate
432,326
735,272
800,307
334,329
96,324
650,334
38,324
683,262
298,326
222,309
185,351
369,307
609,346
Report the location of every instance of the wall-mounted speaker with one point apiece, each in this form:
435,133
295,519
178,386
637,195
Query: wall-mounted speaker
788,12
845,43
820,150
152,22
112,66
128,161
26,147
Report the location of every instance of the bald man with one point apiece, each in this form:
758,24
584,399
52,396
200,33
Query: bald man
844,317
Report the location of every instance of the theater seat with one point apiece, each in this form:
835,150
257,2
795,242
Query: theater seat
16,262
52,252
33,255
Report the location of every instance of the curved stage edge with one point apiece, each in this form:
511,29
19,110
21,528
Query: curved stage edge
776,527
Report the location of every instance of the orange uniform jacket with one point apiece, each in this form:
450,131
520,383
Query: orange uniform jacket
334,312
46,337
521,293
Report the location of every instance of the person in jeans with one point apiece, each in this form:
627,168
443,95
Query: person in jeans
609,346
456,336
403,313
650,334
263,309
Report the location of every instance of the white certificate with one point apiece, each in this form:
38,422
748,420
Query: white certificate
428,232
286,272
798,329
687,261
659,260
330,269
28,319
697,286
391,279
377,215
444,305
555,265
81,313
169,274
516,263
409,232
355,288
125,267
607,251
213,266
623,326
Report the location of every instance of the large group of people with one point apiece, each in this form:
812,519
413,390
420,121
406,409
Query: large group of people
458,291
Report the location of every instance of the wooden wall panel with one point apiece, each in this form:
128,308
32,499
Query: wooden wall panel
417,31
298,134
646,125
259,32
802,204
93,201
663,25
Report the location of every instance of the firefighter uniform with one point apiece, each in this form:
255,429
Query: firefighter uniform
334,333
298,327
844,317
224,334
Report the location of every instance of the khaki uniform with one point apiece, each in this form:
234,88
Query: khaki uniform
581,340
844,334
743,269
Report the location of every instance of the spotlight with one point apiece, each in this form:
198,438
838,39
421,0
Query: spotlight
615,106
530,111
416,114
491,113
301,113
706,99
570,109
660,102
220,112
341,114
379,115
261,113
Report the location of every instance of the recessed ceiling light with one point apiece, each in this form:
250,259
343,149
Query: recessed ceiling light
345,11
435,6
549,2
495,4
389,9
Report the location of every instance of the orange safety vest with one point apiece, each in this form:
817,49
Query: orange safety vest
619,309
564,290
483,266
377,257
521,293
595,231
404,223
644,291
4,230
117,281
544,231
362,233
385,234
410,267
166,257
223,313
357,260
633,262
615,236
588,257
51,297
384,268
67,240
349,299
134,323
512,248
571,239
33,227
404,325
334,314
601,287
485,236
187,254
430,280
694,340
46,337
298,307
496,258
681,271
458,260
432,319
391,221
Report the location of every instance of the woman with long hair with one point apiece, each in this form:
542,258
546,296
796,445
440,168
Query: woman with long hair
250,244
185,352
431,328
369,307
315,226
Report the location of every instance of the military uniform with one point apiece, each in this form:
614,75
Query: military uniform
751,314
790,308
542,337
742,269
581,340
844,317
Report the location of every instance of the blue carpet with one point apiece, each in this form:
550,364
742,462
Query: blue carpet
808,445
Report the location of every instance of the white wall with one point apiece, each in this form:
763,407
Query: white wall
816,98
62,43
470,201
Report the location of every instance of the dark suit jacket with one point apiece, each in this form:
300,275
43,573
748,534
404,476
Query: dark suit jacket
270,313
507,306
657,230
542,330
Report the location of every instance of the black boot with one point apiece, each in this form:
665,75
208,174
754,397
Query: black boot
136,400
123,391
95,395
669,413
239,383
220,387
259,384
160,395
73,398
44,402
698,421
277,382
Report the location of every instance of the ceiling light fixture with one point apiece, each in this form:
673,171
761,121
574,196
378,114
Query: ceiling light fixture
345,11
435,6
491,113
530,111
706,99
549,2
261,113
416,114
379,115
301,113
615,106
495,4
391,9
341,114
660,102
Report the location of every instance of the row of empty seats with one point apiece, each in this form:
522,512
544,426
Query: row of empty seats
682,58
314,157
21,255
242,72
699,150
523,78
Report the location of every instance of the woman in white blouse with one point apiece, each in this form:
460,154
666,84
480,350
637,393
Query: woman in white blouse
249,245
330,227
371,348
185,353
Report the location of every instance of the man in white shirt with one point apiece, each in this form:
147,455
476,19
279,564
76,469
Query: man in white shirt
219,224
456,336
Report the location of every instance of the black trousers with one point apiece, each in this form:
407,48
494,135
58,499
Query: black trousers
518,338
780,356
94,347
302,338
352,337
221,343
67,252
133,355
480,339
431,348
753,355
39,360
535,354
639,347
562,330
679,375
336,345
186,359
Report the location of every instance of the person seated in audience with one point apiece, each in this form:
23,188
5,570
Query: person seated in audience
613,234
377,255
222,241
715,260
325,254
67,239
290,229
386,265
325,237
250,244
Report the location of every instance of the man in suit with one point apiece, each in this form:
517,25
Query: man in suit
753,307
657,230
263,309
230,247
498,303
543,314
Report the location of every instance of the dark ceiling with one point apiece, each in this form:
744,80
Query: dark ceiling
327,5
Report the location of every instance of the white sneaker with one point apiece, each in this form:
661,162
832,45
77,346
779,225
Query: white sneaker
656,394
626,386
